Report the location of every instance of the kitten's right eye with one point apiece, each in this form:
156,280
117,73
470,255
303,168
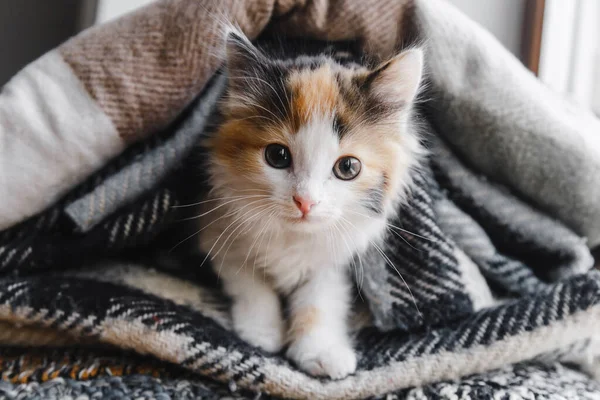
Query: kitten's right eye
278,156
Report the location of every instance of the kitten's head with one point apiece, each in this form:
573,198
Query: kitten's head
310,141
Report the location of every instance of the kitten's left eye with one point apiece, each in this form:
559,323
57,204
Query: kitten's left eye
278,156
347,168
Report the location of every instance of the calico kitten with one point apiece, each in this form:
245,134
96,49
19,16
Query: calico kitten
311,160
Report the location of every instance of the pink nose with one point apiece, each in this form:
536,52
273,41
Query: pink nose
304,204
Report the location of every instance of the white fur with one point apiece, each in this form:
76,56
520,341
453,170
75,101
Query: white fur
261,248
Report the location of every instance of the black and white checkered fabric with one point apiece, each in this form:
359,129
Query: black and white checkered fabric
471,280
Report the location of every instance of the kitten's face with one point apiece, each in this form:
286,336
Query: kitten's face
311,143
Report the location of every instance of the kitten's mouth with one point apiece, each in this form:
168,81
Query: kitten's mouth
305,219
299,220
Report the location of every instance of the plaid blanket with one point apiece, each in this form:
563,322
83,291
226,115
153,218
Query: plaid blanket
493,293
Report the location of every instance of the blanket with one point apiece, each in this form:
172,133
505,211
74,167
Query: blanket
494,281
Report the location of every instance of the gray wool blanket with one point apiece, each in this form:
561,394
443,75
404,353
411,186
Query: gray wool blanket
487,291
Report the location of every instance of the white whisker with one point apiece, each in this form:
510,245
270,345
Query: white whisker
206,226
263,233
225,230
252,246
260,210
248,221
393,226
353,259
220,206
245,78
360,280
391,264
215,199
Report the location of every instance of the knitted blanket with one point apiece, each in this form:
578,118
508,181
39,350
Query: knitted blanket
491,290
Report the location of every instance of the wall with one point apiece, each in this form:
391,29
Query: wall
109,9
503,18
29,28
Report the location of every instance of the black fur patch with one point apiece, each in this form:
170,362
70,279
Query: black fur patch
377,107
340,126
275,95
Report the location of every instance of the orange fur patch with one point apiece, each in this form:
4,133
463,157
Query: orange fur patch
303,321
239,143
313,92
377,150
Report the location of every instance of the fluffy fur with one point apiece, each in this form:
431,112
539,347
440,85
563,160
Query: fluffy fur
260,243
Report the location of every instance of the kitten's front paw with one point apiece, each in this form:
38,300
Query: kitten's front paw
270,340
320,357
261,328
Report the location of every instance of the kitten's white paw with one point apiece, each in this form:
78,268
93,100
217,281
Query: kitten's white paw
320,357
261,328
270,340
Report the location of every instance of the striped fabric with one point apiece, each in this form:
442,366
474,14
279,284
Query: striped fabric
470,279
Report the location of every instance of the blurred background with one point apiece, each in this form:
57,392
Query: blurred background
559,40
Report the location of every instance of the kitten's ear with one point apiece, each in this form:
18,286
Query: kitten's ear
398,80
241,53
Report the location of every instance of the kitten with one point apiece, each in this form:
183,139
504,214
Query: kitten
311,160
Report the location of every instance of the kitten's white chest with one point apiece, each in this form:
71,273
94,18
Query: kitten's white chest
290,257
295,257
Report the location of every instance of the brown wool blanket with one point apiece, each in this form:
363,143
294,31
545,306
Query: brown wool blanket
91,133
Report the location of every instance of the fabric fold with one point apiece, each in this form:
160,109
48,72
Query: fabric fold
486,271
